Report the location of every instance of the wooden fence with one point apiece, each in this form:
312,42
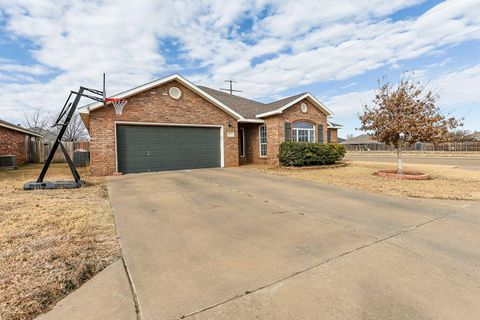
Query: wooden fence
445,146
38,151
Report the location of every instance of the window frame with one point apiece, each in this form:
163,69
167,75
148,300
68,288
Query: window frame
309,131
260,143
242,144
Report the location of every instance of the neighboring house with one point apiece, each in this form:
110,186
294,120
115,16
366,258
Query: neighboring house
14,141
474,136
362,142
173,124
46,134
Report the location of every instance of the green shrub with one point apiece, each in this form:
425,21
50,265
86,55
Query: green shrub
299,154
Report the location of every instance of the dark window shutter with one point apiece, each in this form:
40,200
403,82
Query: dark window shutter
329,136
288,131
320,133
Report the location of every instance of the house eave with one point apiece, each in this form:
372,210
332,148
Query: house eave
27,132
126,94
308,96
251,121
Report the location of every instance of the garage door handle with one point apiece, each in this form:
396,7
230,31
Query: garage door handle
148,153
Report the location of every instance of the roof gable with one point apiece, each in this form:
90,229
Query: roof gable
243,109
126,94
279,106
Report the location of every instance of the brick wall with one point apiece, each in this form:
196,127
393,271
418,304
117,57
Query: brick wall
13,142
252,144
334,133
156,106
276,131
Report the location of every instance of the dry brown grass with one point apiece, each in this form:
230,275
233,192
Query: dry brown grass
446,183
51,241
416,154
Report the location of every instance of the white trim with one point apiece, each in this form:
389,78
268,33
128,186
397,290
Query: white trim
86,109
310,131
260,141
307,95
251,121
243,142
116,151
158,124
330,126
20,130
166,124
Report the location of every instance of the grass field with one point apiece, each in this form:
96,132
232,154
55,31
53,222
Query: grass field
51,241
416,154
447,182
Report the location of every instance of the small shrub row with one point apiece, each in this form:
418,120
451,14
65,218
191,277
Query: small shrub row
299,154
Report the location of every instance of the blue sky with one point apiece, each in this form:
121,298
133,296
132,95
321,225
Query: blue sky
271,48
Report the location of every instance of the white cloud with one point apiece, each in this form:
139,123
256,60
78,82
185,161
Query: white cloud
458,92
25,69
305,41
459,88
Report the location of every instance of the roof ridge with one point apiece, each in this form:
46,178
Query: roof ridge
288,98
231,95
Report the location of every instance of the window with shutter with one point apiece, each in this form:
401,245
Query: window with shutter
320,133
288,131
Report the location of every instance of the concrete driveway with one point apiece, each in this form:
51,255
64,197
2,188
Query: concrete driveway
238,244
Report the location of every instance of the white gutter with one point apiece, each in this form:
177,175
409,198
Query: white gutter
86,109
21,130
315,101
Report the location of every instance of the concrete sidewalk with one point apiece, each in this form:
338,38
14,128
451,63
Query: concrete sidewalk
106,296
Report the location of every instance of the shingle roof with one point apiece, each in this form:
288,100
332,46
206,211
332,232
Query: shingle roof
246,107
12,126
475,136
361,139
282,102
333,124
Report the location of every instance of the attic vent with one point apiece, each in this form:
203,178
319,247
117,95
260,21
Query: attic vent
304,107
175,93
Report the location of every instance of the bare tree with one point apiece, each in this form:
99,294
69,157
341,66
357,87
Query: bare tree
76,130
406,113
36,120
460,136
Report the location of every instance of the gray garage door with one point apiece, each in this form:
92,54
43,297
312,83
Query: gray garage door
160,148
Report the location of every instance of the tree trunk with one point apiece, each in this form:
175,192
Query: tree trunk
399,159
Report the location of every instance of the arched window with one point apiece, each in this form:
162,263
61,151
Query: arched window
303,132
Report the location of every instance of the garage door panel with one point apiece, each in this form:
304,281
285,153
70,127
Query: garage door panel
159,148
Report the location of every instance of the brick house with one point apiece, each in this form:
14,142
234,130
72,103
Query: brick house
173,124
14,141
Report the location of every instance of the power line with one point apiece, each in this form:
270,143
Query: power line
231,90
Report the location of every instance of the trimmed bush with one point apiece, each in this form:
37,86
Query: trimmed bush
299,154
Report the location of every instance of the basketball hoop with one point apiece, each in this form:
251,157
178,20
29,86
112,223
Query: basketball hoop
118,104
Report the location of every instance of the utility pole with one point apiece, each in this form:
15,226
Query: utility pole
231,90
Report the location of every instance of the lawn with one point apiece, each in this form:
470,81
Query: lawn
51,241
447,182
